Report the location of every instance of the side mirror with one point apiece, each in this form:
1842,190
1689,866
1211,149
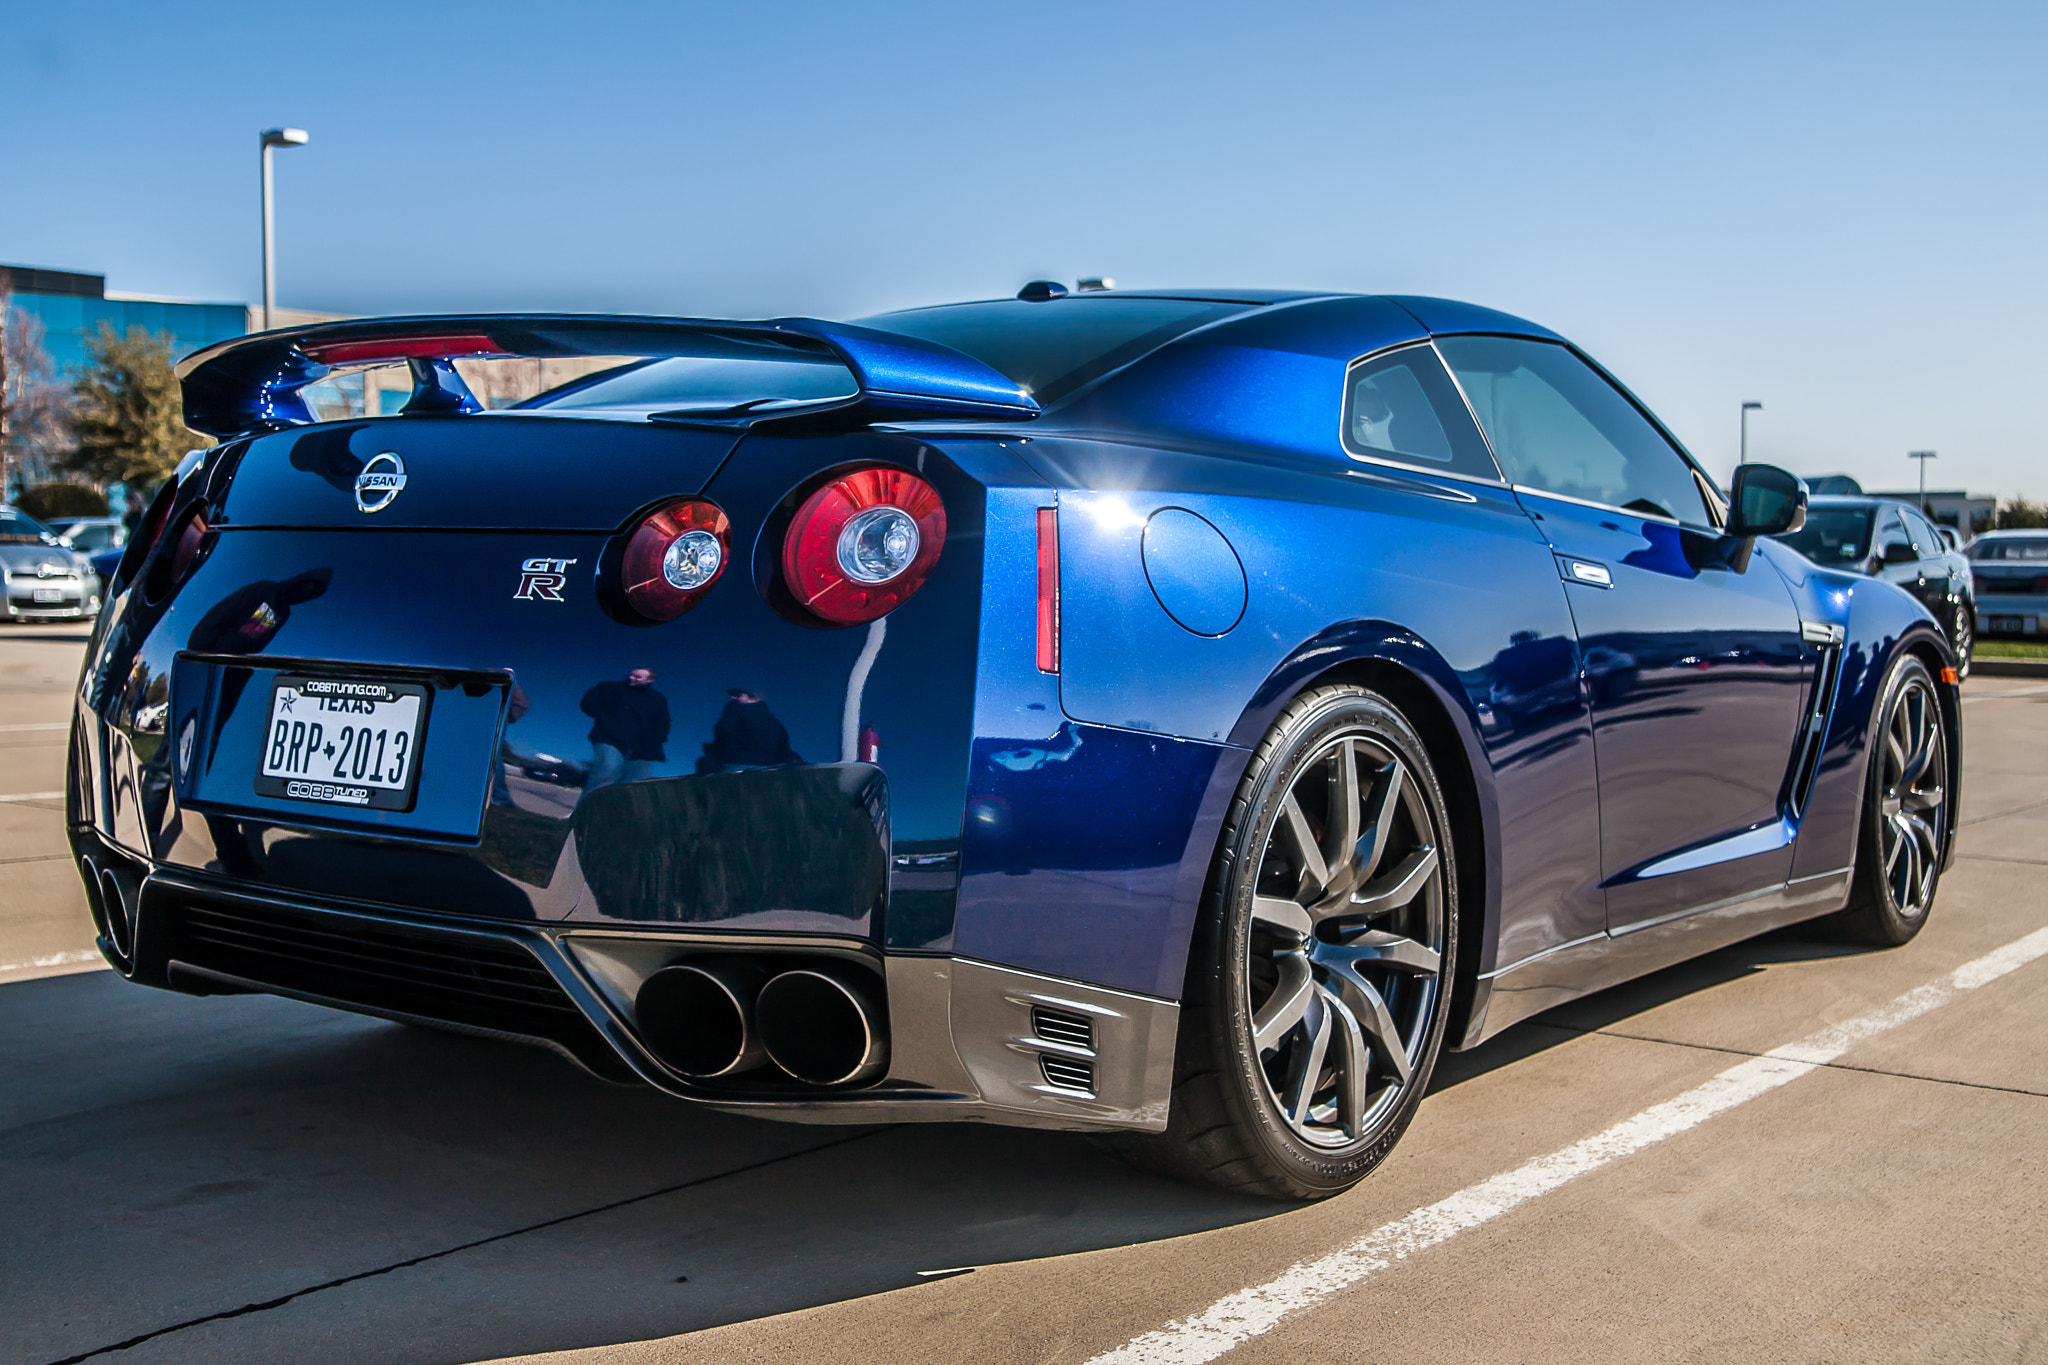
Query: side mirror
1896,553
1765,501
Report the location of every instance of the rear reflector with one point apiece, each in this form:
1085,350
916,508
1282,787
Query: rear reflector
1951,677
1048,590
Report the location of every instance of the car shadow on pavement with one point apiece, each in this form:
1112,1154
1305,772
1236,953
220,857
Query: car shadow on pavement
1604,1009
252,1178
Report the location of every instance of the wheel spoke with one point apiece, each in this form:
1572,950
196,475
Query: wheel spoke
1308,1066
1352,1067
1286,1005
1922,831
1924,736
1375,948
1924,799
1283,913
1390,891
1371,1010
1315,873
1342,826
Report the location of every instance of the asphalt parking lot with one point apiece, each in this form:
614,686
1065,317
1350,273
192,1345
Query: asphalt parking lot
1630,1178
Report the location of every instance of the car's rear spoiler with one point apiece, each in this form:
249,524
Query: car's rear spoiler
253,383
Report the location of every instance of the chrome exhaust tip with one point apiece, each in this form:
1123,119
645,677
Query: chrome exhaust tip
698,1017
114,906
822,1027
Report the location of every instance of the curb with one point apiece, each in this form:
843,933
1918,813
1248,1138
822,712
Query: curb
1981,667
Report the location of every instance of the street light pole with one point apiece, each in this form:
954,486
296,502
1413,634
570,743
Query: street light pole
1747,408
273,137
1922,456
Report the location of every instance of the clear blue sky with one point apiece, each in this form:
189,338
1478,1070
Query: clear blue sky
1835,209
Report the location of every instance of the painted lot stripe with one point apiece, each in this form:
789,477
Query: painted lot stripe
40,725
1237,1318
32,796
1999,696
67,959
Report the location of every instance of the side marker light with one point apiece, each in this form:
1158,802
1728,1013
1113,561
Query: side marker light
1048,590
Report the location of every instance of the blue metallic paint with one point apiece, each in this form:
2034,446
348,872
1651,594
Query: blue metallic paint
1619,757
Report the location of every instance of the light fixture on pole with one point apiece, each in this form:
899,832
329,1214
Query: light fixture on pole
1747,408
273,137
1922,456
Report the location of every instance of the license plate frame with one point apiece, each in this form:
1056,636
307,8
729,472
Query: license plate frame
335,702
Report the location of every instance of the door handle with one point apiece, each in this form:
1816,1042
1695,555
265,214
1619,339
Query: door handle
1584,571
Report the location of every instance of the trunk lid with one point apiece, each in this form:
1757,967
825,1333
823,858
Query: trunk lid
485,471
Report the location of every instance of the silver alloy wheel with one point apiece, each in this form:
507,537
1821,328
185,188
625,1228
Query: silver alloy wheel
1346,942
1913,800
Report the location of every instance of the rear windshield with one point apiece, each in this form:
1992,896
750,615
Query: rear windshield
1053,348
2021,547
16,529
1833,535
739,376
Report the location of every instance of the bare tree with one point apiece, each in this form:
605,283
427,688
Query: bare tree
35,405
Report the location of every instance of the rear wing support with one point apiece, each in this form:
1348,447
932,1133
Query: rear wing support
255,383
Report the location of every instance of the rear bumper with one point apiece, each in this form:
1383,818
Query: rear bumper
2011,614
965,1035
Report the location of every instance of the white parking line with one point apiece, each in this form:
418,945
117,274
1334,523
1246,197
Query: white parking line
54,960
40,725
32,796
1252,1312
1999,696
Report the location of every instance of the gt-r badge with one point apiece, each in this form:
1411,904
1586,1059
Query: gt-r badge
382,479
542,580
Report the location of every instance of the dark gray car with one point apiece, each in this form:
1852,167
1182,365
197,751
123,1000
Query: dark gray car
1893,541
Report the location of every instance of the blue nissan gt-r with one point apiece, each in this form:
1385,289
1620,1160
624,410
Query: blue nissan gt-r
1171,714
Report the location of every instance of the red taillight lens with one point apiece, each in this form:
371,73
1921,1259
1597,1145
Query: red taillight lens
861,545
673,557
187,538
1048,590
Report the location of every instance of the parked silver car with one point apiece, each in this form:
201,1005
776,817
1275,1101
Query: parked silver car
2011,569
45,581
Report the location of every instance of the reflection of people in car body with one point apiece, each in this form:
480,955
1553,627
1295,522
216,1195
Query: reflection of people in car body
746,736
629,726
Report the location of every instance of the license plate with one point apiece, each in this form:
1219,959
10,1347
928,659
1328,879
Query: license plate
49,594
343,742
2007,624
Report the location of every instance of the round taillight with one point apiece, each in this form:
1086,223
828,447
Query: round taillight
861,545
673,557
187,537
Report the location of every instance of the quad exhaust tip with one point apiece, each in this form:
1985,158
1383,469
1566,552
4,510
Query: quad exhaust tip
699,1017
823,1027
713,1018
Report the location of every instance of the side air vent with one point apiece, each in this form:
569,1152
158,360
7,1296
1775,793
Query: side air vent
1057,1026
1064,1073
1820,709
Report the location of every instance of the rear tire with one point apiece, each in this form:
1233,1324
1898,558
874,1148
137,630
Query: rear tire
1906,813
1319,980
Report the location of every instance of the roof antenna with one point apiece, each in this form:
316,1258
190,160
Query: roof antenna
1094,284
1042,291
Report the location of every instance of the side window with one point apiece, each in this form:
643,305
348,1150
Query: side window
1403,407
1926,539
1890,531
1558,426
